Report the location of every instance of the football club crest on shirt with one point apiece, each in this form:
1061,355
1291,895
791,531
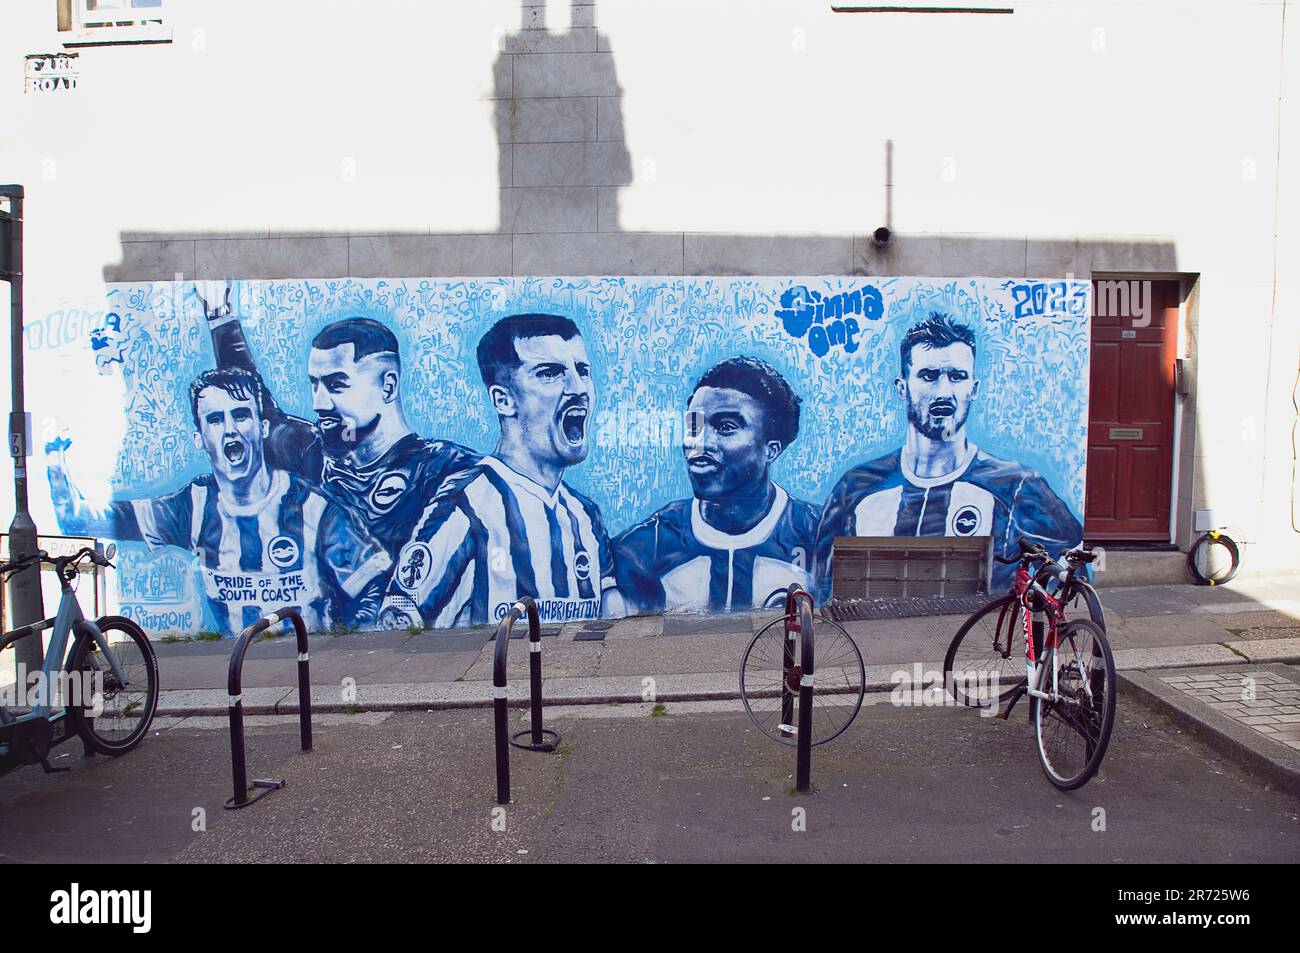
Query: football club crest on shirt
966,521
282,551
414,563
387,491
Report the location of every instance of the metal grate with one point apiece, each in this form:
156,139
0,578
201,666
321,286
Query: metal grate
858,610
894,568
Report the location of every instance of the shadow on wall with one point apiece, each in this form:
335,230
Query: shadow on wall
563,159
559,126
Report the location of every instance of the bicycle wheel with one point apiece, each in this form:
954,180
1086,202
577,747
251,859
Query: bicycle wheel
985,664
769,681
127,709
1074,729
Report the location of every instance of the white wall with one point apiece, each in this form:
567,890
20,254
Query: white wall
1056,134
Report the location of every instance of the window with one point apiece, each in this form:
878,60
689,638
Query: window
105,22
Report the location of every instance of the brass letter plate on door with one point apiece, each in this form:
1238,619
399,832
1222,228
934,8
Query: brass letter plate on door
1125,433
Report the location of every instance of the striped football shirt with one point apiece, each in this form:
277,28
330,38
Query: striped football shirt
292,548
492,535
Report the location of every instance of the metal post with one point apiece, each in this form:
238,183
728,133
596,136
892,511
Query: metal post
535,675
234,688
537,734
787,663
25,603
304,676
792,594
803,757
238,760
501,724
500,716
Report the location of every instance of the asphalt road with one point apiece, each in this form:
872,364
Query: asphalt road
698,783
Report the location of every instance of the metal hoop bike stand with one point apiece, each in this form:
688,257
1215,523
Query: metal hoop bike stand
796,597
239,769
771,678
540,739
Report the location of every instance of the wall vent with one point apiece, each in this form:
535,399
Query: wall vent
906,567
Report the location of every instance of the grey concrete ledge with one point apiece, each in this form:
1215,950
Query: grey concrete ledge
1174,656
271,252
1274,762
1267,650
707,254
605,253
632,689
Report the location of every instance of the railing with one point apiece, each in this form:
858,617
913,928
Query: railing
800,678
540,739
239,769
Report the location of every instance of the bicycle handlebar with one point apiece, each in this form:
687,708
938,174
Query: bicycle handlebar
22,563
1029,552
1034,552
59,562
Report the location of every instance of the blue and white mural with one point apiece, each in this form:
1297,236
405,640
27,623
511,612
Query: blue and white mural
423,451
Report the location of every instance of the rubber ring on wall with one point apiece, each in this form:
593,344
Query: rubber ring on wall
1210,539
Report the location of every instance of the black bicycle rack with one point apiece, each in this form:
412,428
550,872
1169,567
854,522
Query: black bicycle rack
239,769
799,621
540,739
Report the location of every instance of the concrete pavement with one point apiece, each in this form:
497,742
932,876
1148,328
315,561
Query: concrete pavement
1158,634
401,771
696,783
1248,712
681,658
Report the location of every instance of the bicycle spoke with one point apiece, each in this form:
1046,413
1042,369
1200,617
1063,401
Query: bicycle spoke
986,660
1073,727
838,680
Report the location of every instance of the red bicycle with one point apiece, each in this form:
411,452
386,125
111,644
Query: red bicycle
1069,671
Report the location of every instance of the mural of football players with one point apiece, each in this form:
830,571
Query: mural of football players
939,483
292,443
265,537
510,526
742,539
361,449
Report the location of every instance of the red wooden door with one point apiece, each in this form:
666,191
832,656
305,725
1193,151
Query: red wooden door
1131,409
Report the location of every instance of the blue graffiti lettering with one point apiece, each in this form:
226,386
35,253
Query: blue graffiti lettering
829,321
60,328
1045,298
161,620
